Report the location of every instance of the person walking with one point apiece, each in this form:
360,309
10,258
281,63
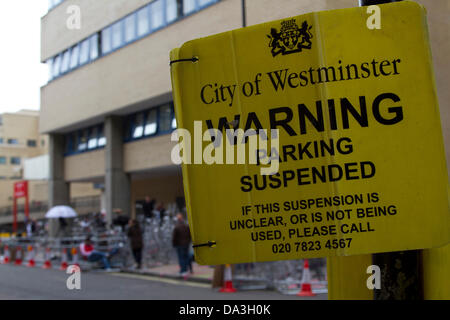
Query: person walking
135,235
181,239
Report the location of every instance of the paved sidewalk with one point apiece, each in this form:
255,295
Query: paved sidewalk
201,273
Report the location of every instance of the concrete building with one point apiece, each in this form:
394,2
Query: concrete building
108,105
19,140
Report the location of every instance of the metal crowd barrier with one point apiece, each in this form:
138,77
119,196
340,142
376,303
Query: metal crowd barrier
56,250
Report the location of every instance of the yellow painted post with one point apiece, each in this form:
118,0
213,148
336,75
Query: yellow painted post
436,273
347,278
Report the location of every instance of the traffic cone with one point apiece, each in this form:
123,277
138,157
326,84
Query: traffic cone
31,263
75,257
18,261
227,281
306,290
6,255
47,262
64,264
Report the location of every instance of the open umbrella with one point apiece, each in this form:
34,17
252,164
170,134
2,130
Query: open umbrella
61,212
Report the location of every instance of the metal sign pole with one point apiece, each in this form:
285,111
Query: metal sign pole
401,274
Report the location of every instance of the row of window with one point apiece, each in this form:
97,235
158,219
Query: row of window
85,140
156,121
149,123
12,160
136,25
30,143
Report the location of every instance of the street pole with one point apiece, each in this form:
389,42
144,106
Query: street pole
401,272
244,14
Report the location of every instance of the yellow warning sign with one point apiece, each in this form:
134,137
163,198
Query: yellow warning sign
312,136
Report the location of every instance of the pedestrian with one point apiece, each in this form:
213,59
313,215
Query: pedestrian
88,251
148,207
181,239
135,235
121,220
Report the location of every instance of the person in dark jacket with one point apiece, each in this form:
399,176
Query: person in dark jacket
135,235
181,239
148,207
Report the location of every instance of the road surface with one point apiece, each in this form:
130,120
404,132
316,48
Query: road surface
17,282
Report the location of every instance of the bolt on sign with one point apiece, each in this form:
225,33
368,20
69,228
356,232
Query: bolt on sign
355,161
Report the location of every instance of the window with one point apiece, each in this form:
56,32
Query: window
75,53
151,125
174,123
84,52
172,10
130,28
1,140
101,136
2,160
15,160
82,140
50,68
56,65
139,126
93,139
165,118
188,6
106,40
65,61
203,3
94,46
13,141
157,15
143,21
31,143
116,35
70,143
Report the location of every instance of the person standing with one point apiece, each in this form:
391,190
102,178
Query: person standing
148,207
135,235
181,239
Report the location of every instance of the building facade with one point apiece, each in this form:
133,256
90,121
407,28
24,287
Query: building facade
108,105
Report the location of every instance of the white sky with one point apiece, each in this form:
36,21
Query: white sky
21,73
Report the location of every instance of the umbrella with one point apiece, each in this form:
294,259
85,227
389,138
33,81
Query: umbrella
61,212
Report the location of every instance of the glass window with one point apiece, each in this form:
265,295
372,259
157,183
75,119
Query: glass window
56,65
50,68
171,10
202,3
70,143
2,160
157,14
101,137
188,6
117,35
143,21
106,40
13,141
65,61
174,123
31,143
130,28
94,46
138,125
75,53
165,118
84,51
93,139
151,125
1,140
82,141
15,160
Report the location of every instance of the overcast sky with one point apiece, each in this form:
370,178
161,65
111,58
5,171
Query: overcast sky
21,73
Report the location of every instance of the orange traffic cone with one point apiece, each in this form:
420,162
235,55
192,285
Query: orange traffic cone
228,281
306,290
64,264
75,257
31,263
47,262
18,261
6,255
